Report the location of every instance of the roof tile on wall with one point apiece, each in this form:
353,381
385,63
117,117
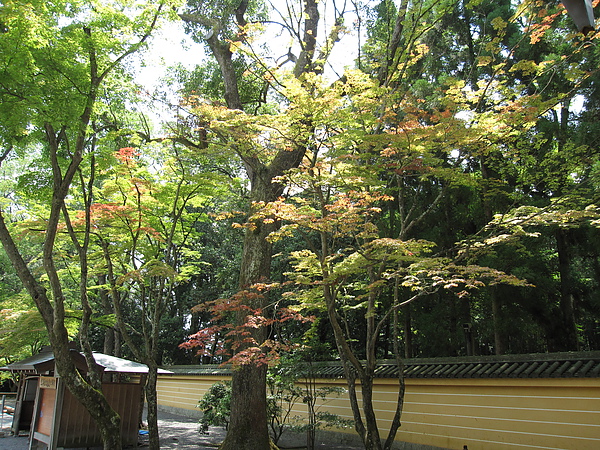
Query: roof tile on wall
539,365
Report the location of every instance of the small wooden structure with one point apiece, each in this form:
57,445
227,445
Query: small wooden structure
55,419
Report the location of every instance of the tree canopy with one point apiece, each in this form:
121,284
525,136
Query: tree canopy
434,194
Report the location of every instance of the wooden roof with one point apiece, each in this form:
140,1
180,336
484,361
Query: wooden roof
44,362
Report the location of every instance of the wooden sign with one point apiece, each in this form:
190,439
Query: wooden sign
46,411
48,382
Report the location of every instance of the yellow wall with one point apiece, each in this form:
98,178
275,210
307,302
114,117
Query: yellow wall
184,391
490,414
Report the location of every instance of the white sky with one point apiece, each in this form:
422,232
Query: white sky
172,46
168,47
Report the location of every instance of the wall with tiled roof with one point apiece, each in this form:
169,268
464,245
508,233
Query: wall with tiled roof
538,365
549,401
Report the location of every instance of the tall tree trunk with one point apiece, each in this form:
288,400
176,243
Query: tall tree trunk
499,335
568,328
152,402
248,426
248,429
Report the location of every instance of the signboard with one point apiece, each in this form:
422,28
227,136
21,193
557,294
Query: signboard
48,382
45,417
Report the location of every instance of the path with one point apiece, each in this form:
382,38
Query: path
176,432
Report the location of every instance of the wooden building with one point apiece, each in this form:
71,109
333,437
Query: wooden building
540,401
55,419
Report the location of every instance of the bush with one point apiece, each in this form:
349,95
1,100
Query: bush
215,406
289,382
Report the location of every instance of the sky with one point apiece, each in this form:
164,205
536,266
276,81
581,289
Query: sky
169,46
172,46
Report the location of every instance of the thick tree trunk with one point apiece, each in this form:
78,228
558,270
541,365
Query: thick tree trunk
248,427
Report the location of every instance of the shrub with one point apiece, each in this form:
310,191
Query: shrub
216,406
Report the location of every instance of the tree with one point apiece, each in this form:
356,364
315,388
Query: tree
143,224
225,29
56,59
411,156
360,279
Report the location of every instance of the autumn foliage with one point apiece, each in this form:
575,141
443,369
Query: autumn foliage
236,342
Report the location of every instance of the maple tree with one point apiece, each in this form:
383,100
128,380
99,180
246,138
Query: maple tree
453,166
56,60
348,269
143,225
384,154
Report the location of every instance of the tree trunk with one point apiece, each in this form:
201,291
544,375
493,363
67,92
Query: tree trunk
568,328
107,420
395,424
371,438
152,401
248,427
499,335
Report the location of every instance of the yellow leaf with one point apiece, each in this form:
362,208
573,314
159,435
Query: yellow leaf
498,23
484,61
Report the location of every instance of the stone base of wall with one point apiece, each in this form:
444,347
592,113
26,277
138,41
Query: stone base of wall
192,413
337,439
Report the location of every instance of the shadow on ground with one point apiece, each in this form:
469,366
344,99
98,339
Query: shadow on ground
178,432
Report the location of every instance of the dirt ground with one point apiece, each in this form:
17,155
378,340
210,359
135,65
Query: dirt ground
175,432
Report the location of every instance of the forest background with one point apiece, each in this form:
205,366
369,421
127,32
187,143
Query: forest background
433,195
